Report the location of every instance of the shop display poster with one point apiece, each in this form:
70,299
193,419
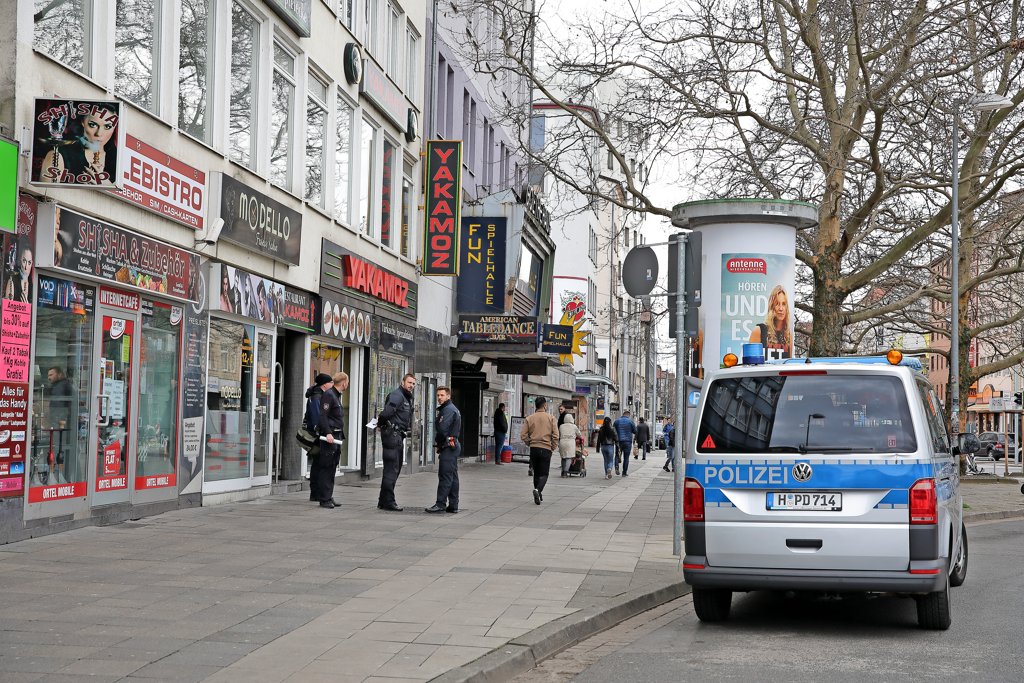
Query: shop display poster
756,304
77,143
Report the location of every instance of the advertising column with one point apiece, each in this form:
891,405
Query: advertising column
748,274
15,347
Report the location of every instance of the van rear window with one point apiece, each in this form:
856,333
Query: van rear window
801,413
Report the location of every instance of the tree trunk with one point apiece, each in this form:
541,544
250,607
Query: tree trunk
827,334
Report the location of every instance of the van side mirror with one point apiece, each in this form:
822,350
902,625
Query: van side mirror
968,443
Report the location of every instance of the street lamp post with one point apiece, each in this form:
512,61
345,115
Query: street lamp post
980,102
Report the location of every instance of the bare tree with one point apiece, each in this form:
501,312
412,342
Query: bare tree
848,104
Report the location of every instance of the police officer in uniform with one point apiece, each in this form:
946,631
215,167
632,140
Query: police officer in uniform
332,428
447,429
394,423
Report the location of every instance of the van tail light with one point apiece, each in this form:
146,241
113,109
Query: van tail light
693,501
923,502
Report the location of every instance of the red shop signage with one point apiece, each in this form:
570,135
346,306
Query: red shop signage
162,184
377,282
346,273
443,204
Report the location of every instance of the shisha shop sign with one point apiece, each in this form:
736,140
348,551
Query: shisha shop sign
498,329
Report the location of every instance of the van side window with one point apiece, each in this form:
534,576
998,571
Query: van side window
936,421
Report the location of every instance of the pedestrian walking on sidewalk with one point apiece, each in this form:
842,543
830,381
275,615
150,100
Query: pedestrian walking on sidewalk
643,439
625,429
568,433
540,434
500,432
332,428
670,446
395,425
447,432
562,412
311,421
606,443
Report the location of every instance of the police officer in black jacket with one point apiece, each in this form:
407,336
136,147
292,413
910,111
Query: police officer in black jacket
447,431
394,423
332,427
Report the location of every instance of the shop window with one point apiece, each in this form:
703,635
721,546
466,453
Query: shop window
316,133
367,148
195,73
229,395
245,51
62,31
158,396
389,163
343,161
282,109
137,51
61,397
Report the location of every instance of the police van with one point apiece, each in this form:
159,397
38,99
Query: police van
831,474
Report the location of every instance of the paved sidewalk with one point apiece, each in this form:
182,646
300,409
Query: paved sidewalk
279,589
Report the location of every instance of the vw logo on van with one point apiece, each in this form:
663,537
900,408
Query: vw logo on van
802,471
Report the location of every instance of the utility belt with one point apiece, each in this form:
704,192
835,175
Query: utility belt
395,430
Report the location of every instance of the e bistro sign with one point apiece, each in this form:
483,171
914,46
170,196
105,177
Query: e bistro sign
162,184
443,203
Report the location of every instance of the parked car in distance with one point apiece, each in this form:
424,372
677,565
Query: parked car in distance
993,444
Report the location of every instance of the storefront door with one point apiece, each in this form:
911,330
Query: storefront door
263,438
114,417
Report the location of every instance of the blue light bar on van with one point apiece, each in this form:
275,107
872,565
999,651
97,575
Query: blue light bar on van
912,363
753,354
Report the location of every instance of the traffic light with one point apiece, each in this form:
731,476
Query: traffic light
1018,397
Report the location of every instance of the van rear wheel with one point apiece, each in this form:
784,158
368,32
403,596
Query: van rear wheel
712,604
959,573
933,611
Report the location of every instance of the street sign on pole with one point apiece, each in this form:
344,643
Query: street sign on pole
640,271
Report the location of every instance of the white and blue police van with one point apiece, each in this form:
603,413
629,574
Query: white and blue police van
833,474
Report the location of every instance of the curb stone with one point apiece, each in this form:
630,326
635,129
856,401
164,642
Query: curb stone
524,652
988,516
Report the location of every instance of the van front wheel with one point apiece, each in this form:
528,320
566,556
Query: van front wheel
712,604
933,609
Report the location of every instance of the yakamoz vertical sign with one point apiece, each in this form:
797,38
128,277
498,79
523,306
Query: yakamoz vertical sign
443,203
15,347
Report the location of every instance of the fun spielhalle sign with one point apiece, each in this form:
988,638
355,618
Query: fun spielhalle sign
443,201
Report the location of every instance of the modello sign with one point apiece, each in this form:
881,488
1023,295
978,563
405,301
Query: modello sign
443,203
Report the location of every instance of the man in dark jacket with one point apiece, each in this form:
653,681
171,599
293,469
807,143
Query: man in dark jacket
395,424
643,438
500,432
311,420
447,432
625,429
332,428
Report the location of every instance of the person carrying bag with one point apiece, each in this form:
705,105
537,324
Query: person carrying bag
308,435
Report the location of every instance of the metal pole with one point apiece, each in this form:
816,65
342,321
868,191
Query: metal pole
954,327
680,416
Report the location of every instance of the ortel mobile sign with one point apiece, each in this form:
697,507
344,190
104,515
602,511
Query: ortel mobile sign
443,204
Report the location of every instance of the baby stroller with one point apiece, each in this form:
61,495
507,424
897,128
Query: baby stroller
578,466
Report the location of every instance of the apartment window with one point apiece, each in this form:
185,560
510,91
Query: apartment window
282,110
407,210
345,12
474,159
367,147
62,29
503,166
442,97
486,160
194,68
342,160
412,44
592,250
389,165
450,102
394,44
466,125
611,161
316,134
137,51
371,21
242,104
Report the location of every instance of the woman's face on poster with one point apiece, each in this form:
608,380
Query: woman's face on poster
781,306
99,126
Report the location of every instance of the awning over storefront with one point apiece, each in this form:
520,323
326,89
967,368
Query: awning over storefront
594,378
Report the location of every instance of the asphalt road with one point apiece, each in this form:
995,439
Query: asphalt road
773,638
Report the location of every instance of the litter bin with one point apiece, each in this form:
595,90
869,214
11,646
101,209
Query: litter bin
506,454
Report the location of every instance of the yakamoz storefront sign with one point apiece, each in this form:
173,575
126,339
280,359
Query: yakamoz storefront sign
500,329
443,205
481,284
255,221
254,296
88,246
345,272
162,184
